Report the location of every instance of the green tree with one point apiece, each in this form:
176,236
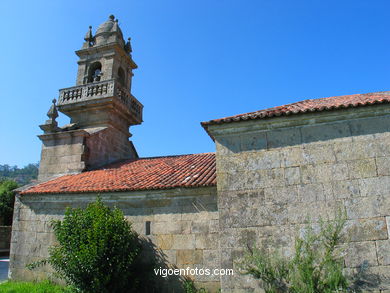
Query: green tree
7,199
22,176
316,265
97,250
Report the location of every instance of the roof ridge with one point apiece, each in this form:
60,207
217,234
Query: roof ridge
174,156
126,161
303,106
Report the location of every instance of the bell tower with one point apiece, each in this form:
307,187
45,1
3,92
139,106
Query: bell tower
101,108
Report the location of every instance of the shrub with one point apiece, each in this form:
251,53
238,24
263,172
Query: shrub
7,199
315,267
96,250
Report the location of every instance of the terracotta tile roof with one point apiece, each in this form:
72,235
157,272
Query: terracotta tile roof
142,174
312,105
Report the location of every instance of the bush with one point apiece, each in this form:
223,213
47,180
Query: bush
315,267
7,199
97,250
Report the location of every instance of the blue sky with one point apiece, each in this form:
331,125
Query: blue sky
198,60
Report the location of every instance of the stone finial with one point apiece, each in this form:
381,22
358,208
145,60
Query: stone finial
116,27
128,48
53,113
111,17
89,38
51,124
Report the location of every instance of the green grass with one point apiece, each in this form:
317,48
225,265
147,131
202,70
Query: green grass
32,287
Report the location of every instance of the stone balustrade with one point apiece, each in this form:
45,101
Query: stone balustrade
102,89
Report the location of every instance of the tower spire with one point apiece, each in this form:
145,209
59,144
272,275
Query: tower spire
100,106
89,38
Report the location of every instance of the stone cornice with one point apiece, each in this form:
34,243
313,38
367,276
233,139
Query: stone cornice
298,120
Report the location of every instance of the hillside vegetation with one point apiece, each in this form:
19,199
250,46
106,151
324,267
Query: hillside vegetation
22,176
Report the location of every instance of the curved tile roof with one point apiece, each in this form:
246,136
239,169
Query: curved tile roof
311,105
195,170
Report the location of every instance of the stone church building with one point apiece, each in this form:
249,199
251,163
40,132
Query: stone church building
273,170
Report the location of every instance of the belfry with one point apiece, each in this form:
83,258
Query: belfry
101,108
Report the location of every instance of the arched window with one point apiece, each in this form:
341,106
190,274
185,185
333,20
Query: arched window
94,72
121,76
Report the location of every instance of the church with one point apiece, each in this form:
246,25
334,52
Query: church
273,169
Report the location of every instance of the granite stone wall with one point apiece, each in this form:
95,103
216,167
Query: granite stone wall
182,225
62,153
74,151
276,175
107,146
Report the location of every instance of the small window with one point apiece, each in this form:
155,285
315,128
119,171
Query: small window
147,228
95,72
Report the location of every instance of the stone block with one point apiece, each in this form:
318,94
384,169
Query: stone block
340,171
374,186
358,253
139,228
214,226
364,207
345,189
234,180
274,177
369,125
310,173
239,238
228,145
311,192
299,213
251,142
170,256
162,215
292,175
232,162
328,190
261,160
375,278
325,132
186,227
317,154
200,227
388,225
284,137
383,165
382,143
278,195
229,238
211,258
383,251
362,168
212,286
358,149
165,241
167,227
206,241
292,156
189,256
262,215
185,241
365,229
